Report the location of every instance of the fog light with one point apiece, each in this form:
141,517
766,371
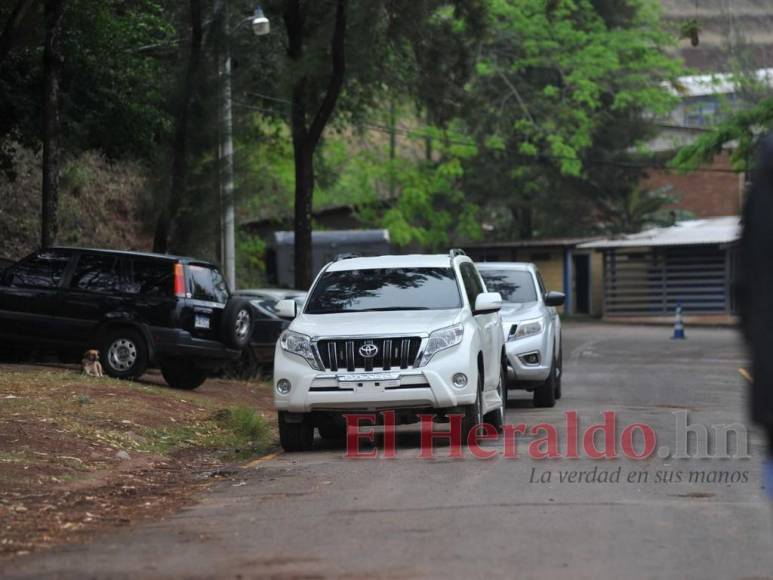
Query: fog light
460,380
531,358
283,386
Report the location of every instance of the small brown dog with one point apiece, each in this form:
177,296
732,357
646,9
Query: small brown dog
91,365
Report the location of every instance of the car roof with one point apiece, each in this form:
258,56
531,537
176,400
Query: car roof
521,266
151,255
407,261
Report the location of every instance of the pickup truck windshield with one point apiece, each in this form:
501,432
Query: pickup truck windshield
385,289
515,286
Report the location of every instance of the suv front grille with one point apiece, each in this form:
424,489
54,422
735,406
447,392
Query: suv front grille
392,353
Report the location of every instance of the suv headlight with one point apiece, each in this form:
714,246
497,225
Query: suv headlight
527,328
299,344
441,340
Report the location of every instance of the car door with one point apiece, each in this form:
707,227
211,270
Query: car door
93,292
29,298
488,324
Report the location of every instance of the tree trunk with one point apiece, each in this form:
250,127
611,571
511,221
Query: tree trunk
306,140
304,189
52,64
7,36
179,183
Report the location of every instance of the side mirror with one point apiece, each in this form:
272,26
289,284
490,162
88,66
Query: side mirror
555,298
287,309
488,302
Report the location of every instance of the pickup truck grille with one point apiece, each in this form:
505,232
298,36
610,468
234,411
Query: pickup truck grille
392,353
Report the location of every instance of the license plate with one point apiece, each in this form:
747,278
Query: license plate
201,321
369,386
360,377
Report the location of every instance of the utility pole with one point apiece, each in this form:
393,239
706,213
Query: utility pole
260,27
226,149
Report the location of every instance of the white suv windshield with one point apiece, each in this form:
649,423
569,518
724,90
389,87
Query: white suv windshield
516,286
385,289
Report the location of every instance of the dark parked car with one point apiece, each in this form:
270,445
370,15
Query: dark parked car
258,357
137,309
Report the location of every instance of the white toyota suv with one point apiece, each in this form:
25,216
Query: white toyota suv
531,327
406,333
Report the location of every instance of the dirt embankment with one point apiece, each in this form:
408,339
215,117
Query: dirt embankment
78,455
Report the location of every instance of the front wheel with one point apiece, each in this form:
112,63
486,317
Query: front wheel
497,416
297,435
473,414
180,374
545,394
559,372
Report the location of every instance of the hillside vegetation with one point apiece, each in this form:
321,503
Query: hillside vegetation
101,205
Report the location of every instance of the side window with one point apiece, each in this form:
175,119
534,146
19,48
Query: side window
472,283
43,270
207,284
150,278
96,273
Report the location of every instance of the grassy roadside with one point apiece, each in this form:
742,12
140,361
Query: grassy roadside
78,454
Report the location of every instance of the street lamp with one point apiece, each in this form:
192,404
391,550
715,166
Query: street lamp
260,24
260,27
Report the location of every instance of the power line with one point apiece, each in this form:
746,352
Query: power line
413,134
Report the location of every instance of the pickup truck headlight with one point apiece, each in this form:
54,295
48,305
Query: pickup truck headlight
527,328
299,344
441,340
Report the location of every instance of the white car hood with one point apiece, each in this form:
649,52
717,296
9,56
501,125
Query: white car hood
513,312
406,322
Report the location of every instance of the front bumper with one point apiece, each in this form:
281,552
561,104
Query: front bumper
427,387
536,344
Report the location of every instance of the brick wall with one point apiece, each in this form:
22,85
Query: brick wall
705,193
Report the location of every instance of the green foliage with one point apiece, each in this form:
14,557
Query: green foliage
113,90
741,128
637,209
553,80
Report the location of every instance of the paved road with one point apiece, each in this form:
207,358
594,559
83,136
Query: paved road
319,515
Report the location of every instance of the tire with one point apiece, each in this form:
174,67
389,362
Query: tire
244,368
473,414
497,416
181,374
296,437
559,378
123,354
545,394
237,323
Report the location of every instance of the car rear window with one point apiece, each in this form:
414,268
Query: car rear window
44,270
205,283
516,286
97,273
150,278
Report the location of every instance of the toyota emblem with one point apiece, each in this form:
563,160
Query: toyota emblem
368,350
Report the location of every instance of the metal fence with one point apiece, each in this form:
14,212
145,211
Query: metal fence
654,281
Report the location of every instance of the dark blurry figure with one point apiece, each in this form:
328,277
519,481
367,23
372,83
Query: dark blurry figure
754,291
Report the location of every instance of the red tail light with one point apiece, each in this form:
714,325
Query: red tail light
179,280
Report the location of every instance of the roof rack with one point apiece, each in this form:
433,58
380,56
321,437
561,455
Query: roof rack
456,252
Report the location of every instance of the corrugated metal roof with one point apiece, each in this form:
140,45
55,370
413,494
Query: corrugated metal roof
724,230
716,84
